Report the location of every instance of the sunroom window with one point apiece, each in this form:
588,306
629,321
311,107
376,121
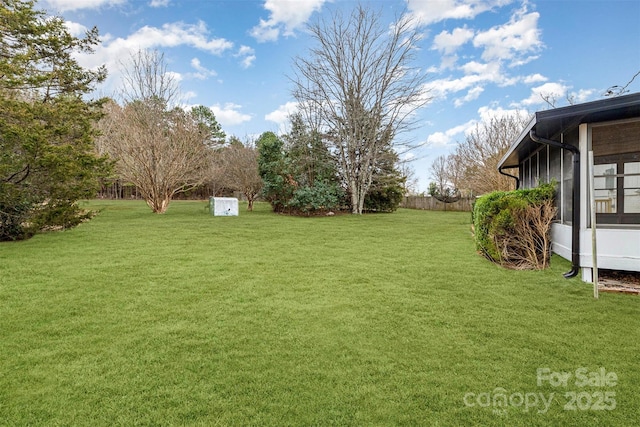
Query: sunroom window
631,182
606,188
616,150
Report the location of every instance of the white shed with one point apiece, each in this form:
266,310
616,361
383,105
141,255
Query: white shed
224,206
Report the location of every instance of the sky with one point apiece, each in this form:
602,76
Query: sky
482,57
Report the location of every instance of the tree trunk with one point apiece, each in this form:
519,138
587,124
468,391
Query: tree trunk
355,198
158,204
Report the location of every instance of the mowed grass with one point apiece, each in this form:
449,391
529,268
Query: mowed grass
263,319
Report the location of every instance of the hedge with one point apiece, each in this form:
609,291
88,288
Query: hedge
512,228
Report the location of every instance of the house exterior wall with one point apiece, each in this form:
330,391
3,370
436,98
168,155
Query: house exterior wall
618,246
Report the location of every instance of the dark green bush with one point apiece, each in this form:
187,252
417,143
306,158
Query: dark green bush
13,221
384,199
320,197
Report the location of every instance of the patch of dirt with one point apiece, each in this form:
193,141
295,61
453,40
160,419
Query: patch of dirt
619,281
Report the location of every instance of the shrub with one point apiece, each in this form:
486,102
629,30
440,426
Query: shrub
320,197
384,199
14,218
513,228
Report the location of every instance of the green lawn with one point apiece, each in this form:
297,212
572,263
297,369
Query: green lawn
263,319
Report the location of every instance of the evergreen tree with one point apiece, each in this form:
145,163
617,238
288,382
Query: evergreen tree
387,185
47,155
278,185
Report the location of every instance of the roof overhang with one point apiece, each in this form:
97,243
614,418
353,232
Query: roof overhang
550,124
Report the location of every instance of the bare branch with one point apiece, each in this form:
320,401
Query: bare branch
162,150
357,86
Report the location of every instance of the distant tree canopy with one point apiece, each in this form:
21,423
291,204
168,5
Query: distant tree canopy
47,156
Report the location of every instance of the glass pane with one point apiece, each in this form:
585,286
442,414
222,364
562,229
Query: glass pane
632,187
542,166
554,163
555,174
567,187
605,184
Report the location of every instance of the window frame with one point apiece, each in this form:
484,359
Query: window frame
619,217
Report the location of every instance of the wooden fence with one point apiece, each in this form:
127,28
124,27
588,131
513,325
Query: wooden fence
465,204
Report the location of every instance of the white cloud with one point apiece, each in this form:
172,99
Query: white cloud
246,55
245,50
438,139
471,95
443,139
202,73
487,113
514,41
534,78
75,29
229,114
285,16
64,5
554,92
449,42
583,95
189,95
476,76
176,34
265,32
429,12
247,61
497,49
474,67
176,77
113,51
281,115
159,3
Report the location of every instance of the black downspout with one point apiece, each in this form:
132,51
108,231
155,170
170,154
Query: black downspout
575,201
511,176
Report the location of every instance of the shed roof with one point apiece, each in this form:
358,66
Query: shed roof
551,123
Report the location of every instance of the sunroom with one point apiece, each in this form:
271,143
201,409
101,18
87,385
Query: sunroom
555,145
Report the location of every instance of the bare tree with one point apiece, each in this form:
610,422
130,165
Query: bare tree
445,188
160,148
439,172
145,77
358,87
475,160
239,171
409,173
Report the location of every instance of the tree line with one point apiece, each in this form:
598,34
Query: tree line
356,92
